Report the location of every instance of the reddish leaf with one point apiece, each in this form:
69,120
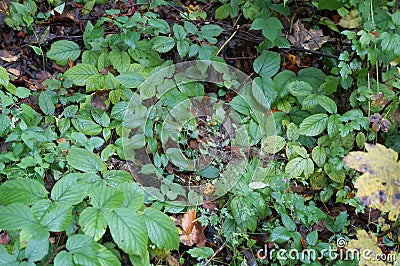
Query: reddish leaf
98,99
4,238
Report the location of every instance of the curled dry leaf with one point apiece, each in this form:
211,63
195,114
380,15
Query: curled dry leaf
188,221
307,38
193,231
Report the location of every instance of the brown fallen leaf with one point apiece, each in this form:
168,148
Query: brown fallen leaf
4,238
195,237
351,20
306,38
99,98
188,221
14,71
8,56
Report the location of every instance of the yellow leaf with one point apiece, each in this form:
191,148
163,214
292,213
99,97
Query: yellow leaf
351,20
379,186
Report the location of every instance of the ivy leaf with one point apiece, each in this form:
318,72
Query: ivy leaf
46,104
126,228
161,229
84,160
163,44
15,216
379,186
61,51
313,125
267,64
80,73
22,190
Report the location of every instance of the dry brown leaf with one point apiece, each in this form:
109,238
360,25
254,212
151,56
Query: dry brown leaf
14,71
8,56
98,99
188,221
307,38
195,237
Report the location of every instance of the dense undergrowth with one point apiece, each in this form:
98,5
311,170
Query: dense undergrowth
200,132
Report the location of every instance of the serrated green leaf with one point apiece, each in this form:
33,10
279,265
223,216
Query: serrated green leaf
35,239
86,125
161,229
267,64
273,144
61,51
93,222
4,124
68,190
84,160
270,27
106,198
222,12
126,228
212,30
319,155
114,178
64,258
327,103
280,235
299,88
15,216
80,73
55,216
312,238
163,44
26,191
130,79
133,195
46,104
298,165
80,241
120,60
201,252
313,125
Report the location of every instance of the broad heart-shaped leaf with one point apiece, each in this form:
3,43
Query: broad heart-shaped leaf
15,216
93,222
299,165
22,190
163,44
61,51
120,60
46,104
379,186
130,79
80,73
128,231
267,64
35,239
55,216
68,190
313,125
161,229
84,160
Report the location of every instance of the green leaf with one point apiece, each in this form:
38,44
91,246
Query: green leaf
54,215
299,88
163,44
133,195
288,222
177,158
273,144
46,104
64,258
333,125
61,51
319,155
120,60
161,229
106,198
201,252
4,77
68,191
80,241
86,125
222,12
327,103
298,165
270,27
84,160
312,238
130,79
37,238
313,125
267,64
209,172
4,124
280,235
126,228
22,190
340,222
211,30
80,73
240,105
15,216
93,222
